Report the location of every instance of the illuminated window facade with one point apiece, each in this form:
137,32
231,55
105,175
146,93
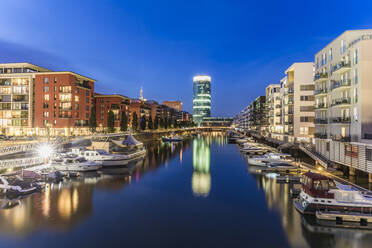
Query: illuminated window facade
202,98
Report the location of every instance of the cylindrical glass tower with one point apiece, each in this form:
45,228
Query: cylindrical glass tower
202,98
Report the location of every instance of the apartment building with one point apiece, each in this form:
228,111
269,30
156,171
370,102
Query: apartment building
63,103
177,105
257,118
37,101
298,103
343,76
116,103
274,111
16,97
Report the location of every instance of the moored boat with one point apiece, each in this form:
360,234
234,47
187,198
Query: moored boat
172,138
270,159
322,193
74,164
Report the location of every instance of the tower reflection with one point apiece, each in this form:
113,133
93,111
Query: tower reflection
201,178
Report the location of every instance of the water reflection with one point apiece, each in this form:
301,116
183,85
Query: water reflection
307,231
62,206
201,177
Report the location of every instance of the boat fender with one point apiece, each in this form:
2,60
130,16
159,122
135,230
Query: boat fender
304,204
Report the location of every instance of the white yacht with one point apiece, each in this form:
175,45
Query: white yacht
270,159
75,164
102,157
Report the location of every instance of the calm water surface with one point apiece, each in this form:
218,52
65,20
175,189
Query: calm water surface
194,194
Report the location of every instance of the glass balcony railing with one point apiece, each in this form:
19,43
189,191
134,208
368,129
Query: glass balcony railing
341,101
321,121
341,138
319,76
341,67
321,105
320,135
344,120
339,84
321,91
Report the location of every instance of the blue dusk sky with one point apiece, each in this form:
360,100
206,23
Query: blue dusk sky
160,45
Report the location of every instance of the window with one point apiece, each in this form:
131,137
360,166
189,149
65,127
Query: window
317,62
55,88
368,154
330,55
305,87
76,90
87,115
355,95
46,114
307,98
304,130
87,93
76,106
45,105
306,108
46,89
55,80
355,57
306,119
327,146
343,131
351,151
355,114
46,80
87,108
343,46
76,98
87,100
355,76
46,97
55,122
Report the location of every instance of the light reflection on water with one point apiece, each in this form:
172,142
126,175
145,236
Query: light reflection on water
210,180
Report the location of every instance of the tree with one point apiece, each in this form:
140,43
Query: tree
150,124
169,122
123,122
143,123
166,122
156,122
134,121
92,119
110,122
175,124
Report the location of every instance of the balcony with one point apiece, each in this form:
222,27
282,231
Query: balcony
341,102
321,105
321,121
342,120
341,138
320,77
320,135
344,84
341,67
319,92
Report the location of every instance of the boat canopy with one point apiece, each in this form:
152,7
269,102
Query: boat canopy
129,141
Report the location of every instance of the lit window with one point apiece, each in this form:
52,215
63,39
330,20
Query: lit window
46,89
46,114
46,97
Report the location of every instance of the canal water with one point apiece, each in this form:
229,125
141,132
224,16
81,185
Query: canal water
197,193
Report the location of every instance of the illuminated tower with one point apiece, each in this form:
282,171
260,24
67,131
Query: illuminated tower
202,98
141,94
